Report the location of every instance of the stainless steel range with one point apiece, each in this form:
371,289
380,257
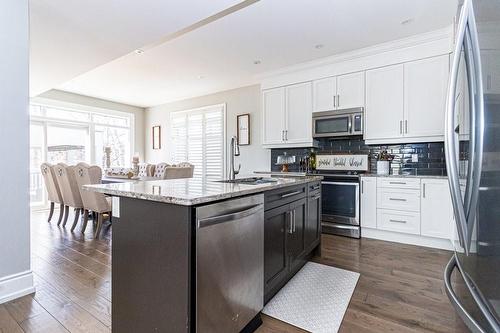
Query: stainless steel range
340,193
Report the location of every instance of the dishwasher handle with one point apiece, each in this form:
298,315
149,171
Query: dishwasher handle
206,222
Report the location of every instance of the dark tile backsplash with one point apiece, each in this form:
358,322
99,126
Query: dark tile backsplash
431,158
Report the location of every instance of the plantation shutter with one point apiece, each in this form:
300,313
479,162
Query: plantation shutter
197,137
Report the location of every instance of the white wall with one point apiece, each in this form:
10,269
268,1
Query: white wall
15,271
67,99
238,101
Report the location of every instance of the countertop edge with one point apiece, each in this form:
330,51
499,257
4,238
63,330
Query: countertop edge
196,201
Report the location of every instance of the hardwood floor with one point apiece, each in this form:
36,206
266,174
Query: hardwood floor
400,288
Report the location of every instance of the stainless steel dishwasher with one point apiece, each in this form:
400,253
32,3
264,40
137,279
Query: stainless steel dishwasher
229,264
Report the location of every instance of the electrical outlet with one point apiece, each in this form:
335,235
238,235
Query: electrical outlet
414,158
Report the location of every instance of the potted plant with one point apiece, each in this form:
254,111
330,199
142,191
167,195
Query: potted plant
383,162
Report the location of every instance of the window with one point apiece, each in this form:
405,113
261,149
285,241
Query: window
118,139
71,136
197,136
67,144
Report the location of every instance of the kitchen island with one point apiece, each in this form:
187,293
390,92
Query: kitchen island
192,255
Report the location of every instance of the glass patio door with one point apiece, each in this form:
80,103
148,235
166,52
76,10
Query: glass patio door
38,195
67,144
54,143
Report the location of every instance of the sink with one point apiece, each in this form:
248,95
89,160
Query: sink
249,181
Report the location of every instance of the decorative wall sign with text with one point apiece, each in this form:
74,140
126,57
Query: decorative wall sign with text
345,162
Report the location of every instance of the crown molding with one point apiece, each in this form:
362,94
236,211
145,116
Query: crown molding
432,36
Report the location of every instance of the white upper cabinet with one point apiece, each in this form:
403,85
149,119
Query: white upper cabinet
339,92
425,89
287,116
325,91
274,115
351,90
436,210
368,202
298,113
407,102
384,103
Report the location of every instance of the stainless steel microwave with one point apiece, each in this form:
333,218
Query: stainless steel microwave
337,123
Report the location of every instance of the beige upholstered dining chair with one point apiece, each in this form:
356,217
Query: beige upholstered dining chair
160,170
146,170
53,192
70,193
92,201
181,170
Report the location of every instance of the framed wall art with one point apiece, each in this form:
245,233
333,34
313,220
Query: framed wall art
243,129
156,137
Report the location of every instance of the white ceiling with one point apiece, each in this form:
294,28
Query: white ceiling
277,32
71,37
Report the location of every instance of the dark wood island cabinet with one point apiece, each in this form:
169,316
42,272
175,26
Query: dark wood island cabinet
157,267
291,233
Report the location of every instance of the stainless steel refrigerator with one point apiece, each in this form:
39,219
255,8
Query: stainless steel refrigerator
472,143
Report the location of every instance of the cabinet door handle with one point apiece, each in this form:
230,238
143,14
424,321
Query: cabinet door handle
397,199
423,190
406,126
290,194
286,135
334,101
294,220
397,221
362,187
290,222
400,127
282,135
338,100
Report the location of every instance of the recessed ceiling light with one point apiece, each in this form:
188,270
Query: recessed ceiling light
201,77
407,21
139,51
257,62
318,46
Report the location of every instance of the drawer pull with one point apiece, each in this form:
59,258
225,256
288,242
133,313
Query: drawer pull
290,194
316,197
397,183
397,221
397,199
314,188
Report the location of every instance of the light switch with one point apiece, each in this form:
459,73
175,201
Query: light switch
414,158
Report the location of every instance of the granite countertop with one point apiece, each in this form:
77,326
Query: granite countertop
192,191
403,176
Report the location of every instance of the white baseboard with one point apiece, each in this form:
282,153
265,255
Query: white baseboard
438,243
16,285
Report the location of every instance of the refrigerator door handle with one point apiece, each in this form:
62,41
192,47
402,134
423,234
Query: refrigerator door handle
449,135
471,88
477,126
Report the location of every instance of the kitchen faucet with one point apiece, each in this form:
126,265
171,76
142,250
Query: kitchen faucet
235,151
